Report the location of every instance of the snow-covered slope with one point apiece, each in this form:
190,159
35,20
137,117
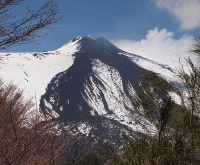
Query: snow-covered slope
71,47
86,81
33,71
162,69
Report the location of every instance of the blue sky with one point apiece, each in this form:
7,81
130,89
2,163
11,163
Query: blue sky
156,29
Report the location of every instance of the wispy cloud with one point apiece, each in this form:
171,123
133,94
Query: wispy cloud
158,45
187,12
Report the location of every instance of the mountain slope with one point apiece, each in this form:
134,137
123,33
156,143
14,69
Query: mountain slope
86,83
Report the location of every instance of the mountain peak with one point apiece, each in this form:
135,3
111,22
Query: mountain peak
101,38
84,42
78,38
103,43
70,47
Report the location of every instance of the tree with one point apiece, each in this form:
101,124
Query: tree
16,30
195,50
155,100
25,139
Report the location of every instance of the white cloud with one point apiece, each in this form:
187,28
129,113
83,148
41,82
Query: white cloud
187,12
159,46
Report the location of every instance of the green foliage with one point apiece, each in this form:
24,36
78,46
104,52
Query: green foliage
147,150
88,160
154,100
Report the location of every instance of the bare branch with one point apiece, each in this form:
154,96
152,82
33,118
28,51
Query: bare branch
28,141
16,31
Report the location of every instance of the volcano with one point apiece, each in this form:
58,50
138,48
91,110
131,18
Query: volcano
87,84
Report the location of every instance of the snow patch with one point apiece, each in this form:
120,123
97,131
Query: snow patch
109,99
30,73
71,47
162,69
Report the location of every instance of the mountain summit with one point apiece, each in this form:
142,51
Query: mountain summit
86,83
